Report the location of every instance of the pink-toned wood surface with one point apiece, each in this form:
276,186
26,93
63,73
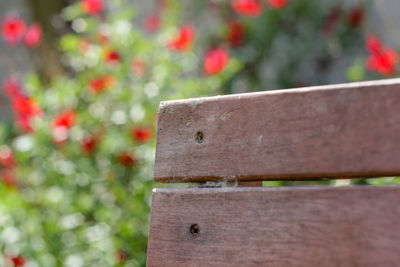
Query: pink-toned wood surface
348,226
345,130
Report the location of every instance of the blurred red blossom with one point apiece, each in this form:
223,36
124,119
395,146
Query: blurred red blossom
24,108
331,20
215,61
277,4
126,159
24,123
84,46
250,8
96,85
33,35
382,59
89,144
373,44
103,38
101,83
8,179
18,261
66,119
235,33
13,29
11,88
183,41
61,125
356,16
141,134
121,256
6,157
138,67
92,7
152,23
112,57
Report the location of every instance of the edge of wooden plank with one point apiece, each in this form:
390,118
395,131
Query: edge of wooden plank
286,177
168,106
311,189
362,84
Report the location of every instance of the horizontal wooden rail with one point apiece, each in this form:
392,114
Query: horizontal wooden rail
339,131
348,226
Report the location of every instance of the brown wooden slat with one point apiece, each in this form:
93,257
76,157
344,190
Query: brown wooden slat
347,226
347,130
250,184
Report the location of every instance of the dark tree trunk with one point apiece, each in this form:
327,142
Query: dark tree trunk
47,58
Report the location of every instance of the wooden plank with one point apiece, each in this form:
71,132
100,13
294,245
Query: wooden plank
346,226
250,184
347,130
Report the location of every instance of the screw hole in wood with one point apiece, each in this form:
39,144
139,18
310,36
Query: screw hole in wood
200,137
194,230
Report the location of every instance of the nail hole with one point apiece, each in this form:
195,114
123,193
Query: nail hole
194,230
200,137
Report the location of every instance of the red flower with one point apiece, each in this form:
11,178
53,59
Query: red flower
96,85
183,41
109,81
99,84
8,179
103,38
235,33
141,135
215,61
331,20
33,35
126,159
6,157
112,58
121,256
67,119
89,145
24,123
92,7
24,108
84,46
277,4
355,17
138,67
373,44
250,8
18,261
61,125
12,30
381,59
12,88
152,23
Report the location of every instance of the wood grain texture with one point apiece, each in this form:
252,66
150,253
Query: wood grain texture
348,226
347,130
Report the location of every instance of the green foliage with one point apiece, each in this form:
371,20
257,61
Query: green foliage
75,209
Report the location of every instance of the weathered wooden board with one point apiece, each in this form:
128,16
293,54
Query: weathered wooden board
348,226
346,130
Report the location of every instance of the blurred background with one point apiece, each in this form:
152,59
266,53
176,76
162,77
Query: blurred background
82,81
